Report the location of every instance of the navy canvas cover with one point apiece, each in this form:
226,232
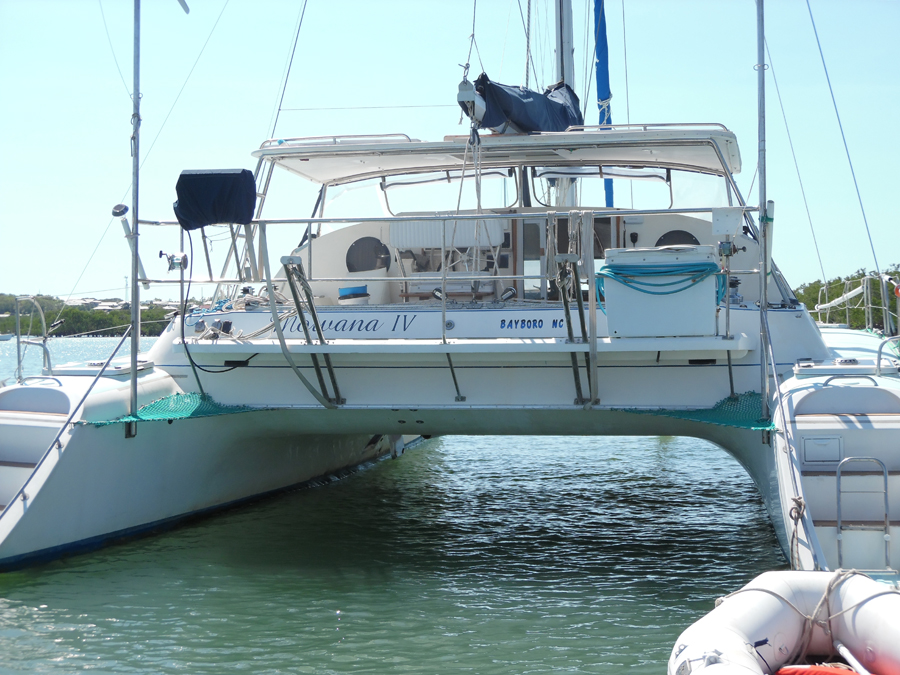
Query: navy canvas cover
217,196
556,109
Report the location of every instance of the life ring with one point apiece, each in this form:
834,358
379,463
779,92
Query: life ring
813,670
897,291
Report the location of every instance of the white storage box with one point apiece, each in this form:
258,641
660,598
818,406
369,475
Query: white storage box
689,312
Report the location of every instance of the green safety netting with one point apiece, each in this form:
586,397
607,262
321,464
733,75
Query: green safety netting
179,407
741,412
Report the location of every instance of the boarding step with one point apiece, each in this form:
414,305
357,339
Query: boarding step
12,477
863,544
820,494
27,435
857,496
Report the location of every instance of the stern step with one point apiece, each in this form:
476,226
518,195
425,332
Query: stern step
13,476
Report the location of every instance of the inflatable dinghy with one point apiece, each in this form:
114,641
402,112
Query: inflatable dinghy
785,618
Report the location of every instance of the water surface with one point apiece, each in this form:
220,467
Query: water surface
466,555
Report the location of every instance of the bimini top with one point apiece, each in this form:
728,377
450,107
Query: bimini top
344,159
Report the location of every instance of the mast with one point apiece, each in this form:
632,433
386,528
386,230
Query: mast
565,46
763,213
131,428
136,271
565,72
604,95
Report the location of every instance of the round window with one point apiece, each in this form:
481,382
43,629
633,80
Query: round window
368,253
677,238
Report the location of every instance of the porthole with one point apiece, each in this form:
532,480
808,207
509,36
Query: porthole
677,238
367,254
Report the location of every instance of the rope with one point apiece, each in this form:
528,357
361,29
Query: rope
638,278
796,167
843,138
603,105
796,513
812,620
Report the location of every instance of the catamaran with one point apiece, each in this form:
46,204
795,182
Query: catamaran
538,308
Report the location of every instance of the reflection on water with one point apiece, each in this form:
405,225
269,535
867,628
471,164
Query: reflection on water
468,554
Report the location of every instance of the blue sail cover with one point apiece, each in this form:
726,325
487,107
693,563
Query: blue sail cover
528,111
210,197
603,91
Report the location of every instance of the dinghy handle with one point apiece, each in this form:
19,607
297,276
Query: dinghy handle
852,376
881,349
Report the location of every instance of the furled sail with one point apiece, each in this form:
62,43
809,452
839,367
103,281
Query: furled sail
508,108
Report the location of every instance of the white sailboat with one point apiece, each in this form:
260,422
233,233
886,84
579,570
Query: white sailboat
508,316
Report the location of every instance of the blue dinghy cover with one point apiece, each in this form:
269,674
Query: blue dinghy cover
556,109
210,197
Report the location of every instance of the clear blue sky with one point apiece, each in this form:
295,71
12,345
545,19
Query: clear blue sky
65,112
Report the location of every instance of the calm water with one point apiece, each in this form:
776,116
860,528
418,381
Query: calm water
468,554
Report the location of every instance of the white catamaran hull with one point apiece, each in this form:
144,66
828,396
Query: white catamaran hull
94,486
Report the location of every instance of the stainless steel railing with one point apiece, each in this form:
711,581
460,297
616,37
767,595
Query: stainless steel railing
20,354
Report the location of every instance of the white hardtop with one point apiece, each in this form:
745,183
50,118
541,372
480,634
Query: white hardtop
345,159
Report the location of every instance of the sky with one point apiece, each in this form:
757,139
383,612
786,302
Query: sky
393,67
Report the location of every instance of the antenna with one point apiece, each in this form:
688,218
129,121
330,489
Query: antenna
187,10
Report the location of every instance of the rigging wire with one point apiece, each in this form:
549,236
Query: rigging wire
796,166
844,139
588,77
113,51
527,42
505,39
180,91
371,107
540,47
149,150
753,180
627,99
90,257
591,68
526,27
290,64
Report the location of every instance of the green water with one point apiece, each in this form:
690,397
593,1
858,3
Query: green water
466,555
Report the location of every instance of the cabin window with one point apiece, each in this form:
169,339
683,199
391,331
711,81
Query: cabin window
677,238
367,254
